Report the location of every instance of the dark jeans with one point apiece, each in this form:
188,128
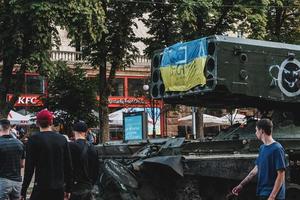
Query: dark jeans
10,189
81,191
50,194
87,195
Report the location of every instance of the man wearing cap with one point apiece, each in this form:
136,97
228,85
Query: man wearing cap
85,163
11,162
48,156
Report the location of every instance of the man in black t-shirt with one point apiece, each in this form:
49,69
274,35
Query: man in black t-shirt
48,156
11,161
85,163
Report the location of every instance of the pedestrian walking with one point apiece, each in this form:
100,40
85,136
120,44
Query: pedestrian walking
48,156
90,137
85,163
269,166
11,162
14,132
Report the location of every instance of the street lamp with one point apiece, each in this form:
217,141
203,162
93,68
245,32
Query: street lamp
146,88
153,113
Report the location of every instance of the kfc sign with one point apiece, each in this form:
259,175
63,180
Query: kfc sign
27,100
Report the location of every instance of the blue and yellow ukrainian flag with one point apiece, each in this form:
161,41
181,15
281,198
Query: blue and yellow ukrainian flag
182,65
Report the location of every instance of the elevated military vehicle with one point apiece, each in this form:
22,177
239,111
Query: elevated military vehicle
241,72
224,72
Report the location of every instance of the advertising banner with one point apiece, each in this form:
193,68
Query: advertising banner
134,125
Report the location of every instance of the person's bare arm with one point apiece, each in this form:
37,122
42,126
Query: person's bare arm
278,183
236,190
250,176
22,163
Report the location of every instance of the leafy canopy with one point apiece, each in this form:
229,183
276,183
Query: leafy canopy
72,94
28,32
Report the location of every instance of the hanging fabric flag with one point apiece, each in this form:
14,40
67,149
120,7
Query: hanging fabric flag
182,65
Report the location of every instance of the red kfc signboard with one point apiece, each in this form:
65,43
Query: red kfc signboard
27,100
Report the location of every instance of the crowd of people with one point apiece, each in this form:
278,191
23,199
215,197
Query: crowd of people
62,169
68,170
18,132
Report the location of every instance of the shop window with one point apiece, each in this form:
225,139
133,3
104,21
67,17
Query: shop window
118,87
135,87
35,85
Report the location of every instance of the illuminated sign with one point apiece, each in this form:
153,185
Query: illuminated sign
27,100
134,125
126,101
132,102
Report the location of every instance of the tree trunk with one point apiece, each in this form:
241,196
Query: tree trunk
199,123
5,105
9,61
103,102
103,87
8,65
104,121
5,83
105,91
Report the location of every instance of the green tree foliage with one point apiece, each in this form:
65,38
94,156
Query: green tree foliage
25,34
113,52
72,94
84,22
283,23
163,24
28,31
276,20
183,20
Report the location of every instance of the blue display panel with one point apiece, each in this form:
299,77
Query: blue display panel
133,126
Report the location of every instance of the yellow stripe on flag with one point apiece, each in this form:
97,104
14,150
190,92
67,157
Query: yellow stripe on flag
184,77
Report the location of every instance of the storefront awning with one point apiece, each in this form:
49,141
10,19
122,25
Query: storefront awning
19,119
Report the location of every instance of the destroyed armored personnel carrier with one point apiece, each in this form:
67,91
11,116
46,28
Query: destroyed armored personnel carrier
221,72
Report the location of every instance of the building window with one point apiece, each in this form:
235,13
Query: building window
135,87
13,85
35,85
118,87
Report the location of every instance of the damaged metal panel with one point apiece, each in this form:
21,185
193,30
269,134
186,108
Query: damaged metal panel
229,166
171,162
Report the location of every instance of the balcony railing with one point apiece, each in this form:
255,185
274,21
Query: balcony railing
142,60
68,56
76,57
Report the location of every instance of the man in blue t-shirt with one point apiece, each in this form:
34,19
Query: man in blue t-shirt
269,166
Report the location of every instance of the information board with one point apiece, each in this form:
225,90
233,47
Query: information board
134,125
